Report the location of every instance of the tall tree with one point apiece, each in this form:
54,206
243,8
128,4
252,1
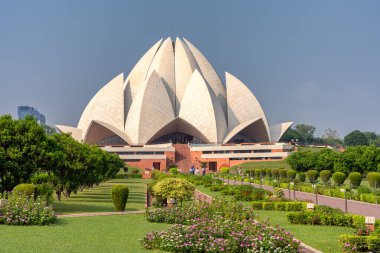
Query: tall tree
292,135
306,131
356,138
371,136
331,137
23,151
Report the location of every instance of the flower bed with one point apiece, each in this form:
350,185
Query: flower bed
222,226
356,243
21,209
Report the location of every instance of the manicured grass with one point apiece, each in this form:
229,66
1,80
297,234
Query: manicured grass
98,199
117,233
264,165
323,238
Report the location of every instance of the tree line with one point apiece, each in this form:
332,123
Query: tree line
304,134
362,159
27,150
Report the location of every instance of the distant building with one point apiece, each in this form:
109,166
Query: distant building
22,111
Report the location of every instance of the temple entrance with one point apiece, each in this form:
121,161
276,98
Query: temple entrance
212,166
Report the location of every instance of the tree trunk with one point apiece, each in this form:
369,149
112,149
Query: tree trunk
58,193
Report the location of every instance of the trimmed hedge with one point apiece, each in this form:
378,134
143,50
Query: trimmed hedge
120,196
355,179
279,206
27,189
302,176
339,178
325,175
357,243
374,179
312,175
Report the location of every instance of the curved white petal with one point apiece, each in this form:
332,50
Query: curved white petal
150,111
185,65
209,75
201,109
106,106
163,65
276,131
242,105
76,133
253,129
138,75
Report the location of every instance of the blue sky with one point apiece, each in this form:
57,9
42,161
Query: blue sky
313,62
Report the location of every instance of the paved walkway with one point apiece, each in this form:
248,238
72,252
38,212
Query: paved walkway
98,214
353,206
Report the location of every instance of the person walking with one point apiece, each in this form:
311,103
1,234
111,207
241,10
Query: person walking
192,170
197,172
204,171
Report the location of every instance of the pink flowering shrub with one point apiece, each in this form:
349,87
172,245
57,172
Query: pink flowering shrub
222,226
186,214
220,235
25,210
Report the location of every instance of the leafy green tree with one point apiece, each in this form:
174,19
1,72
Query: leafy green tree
22,150
325,176
306,132
292,135
302,160
325,159
356,138
332,138
371,137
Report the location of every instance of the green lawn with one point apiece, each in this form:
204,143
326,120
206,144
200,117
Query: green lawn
98,199
323,238
117,233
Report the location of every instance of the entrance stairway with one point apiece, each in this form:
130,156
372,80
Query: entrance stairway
182,157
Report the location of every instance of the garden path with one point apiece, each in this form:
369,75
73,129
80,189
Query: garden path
353,206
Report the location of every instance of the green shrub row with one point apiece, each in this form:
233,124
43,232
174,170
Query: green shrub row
279,206
127,175
356,243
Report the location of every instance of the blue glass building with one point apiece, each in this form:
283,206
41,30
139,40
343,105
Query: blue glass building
22,111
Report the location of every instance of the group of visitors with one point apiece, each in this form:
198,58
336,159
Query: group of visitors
196,171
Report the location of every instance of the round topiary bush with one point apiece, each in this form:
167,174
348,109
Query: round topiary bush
291,175
283,173
25,189
325,175
339,178
225,170
120,196
262,173
312,175
173,171
302,177
374,179
177,188
275,173
355,179
257,173
268,173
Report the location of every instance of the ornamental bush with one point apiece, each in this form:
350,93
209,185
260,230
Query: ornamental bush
27,189
21,209
177,188
46,192
262,173
268,173
120,196
302,177
355,179
40,178
339,178
325,176
275,173
312,175
257,173
250,193
173,171
374,179
283,173
225,170
291,175
356,243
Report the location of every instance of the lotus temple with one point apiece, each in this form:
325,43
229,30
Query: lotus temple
173,109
